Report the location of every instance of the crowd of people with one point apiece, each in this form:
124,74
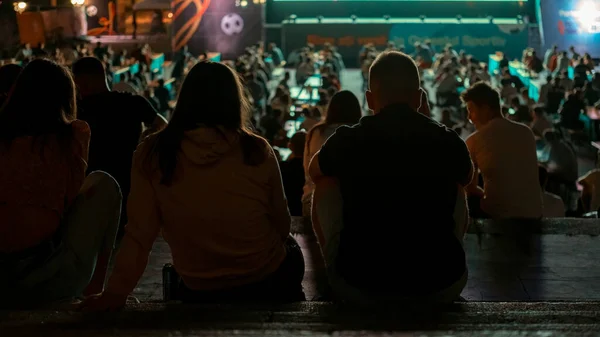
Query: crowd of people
85,167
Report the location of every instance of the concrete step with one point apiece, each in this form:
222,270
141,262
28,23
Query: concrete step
312,319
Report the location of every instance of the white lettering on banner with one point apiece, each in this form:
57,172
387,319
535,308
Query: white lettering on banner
436,41
470,41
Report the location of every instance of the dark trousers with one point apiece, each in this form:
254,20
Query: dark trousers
284,285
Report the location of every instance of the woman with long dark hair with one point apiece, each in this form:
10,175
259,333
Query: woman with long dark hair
214,190
344,109
58,227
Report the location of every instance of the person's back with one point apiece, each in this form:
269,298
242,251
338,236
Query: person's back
388,167
116,120
218,197
383,191
505,153
214,190
562,160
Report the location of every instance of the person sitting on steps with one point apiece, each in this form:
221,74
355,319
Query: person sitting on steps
366,202
58,227
215,192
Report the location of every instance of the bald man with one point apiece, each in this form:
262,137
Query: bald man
391,233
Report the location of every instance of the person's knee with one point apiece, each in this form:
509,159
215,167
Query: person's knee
99,182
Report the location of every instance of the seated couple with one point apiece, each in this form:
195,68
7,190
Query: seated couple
389,207
211,188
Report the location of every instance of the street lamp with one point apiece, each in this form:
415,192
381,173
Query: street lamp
20,7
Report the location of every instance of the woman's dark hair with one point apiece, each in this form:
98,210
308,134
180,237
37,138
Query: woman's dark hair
344,108
42,102
211,96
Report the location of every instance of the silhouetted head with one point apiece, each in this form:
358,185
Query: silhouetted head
393,78
90,76
296,144
344,108
42,102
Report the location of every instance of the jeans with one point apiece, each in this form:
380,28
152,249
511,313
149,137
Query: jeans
284,285
329,203
89,228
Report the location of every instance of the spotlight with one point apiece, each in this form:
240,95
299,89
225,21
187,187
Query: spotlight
353,17
422,17
490,18
293,18
320,18
386,17
19,7
459,18
77,3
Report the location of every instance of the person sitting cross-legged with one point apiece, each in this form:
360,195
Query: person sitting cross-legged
214,190
387,191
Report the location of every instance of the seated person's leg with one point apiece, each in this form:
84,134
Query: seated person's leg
88,237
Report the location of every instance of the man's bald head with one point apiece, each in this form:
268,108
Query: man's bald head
90,76
393,78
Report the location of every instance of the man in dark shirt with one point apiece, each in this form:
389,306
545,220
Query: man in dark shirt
115,119
292,173
400,180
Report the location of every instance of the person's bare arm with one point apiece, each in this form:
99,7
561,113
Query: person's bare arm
472,187
314,169
159,123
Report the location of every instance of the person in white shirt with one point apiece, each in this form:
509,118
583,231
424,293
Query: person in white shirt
562,63
505,154
548,56
447,83
554,207
590,195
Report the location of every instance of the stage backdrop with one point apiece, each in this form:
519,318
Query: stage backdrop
216,26
479,40
571,23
